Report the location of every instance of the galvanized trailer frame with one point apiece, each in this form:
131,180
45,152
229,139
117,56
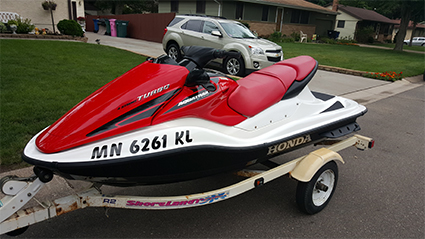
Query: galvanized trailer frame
19,191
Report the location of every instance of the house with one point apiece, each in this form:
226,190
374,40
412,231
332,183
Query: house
66,9
419,31
263,16
350,20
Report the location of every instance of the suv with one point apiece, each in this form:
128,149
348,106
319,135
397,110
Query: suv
219,33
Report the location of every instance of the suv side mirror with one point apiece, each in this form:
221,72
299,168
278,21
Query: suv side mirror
216,33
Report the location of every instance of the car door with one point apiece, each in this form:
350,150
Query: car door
421,40
191,34
208,39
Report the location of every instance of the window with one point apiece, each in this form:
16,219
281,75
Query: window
341,24
239,10
300,16
175,21
174,5
265,15
209,27
237,30
200,6
193,25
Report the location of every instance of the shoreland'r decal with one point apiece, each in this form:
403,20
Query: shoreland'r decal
288,144
179,204
143,145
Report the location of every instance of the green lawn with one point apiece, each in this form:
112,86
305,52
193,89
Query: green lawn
42,80
359,58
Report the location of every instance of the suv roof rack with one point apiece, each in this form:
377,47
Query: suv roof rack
199,15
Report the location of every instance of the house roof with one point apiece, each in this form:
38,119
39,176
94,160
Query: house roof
364,14
410,26
296,4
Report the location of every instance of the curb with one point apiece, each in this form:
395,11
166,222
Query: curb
47,37
342,70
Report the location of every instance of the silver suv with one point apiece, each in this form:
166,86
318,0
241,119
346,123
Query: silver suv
186,30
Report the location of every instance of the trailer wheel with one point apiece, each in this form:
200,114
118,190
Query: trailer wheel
17,232
313,196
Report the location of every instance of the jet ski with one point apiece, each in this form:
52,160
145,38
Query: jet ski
164,122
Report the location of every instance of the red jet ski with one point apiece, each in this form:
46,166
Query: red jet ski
164,122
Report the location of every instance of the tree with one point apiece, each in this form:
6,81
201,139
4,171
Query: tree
410,10
405,10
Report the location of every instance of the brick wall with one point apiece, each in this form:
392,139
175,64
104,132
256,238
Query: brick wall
264,29
288,29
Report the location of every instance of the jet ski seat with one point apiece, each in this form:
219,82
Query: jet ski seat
266,87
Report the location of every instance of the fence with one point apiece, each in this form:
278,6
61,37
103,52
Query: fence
149,27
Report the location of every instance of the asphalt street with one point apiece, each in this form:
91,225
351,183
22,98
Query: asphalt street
380,194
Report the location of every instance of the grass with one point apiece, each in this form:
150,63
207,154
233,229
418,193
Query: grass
359,58
42,80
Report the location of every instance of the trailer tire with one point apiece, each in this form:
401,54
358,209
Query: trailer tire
17,232
313,196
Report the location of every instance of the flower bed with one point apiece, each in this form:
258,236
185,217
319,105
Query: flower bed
388,75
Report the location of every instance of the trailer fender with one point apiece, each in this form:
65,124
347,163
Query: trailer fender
310,164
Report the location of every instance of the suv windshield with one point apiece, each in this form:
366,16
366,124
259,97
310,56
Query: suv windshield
237,30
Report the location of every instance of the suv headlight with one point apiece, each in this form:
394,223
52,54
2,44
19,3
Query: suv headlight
256,50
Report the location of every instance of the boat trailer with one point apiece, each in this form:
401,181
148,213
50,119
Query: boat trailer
316,172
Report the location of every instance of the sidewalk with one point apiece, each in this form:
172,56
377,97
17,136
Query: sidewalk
387,48
146,48
363,90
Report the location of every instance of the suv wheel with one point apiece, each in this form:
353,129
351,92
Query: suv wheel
173,51
234,66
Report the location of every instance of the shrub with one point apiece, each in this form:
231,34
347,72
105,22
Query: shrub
296,36
23,26
70,27
327,40
288,39
2,27
364,35
275,37
347,39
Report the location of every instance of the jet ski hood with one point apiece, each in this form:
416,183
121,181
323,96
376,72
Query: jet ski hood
124,104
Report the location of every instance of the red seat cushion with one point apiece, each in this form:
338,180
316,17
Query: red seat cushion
303,65
261,89
285,74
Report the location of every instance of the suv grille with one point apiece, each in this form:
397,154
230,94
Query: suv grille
273,51
273,59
